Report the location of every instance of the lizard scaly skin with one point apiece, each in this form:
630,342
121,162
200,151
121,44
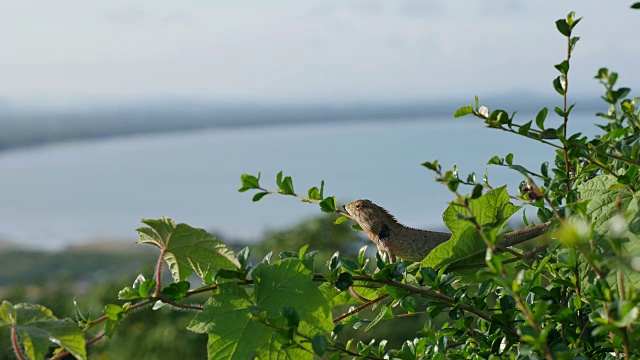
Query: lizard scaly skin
415,244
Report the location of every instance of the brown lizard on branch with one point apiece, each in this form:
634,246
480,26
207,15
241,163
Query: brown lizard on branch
414,244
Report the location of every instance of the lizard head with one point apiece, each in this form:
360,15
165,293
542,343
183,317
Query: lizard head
368,215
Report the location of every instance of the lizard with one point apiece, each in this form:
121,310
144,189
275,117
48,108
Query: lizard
414,244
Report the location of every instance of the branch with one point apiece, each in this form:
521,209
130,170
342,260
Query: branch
438,296
359,308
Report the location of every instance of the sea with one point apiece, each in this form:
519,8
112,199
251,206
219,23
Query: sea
63,194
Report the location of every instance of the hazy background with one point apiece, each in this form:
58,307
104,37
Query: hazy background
115,111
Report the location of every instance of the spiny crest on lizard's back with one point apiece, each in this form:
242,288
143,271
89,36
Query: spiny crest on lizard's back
363,210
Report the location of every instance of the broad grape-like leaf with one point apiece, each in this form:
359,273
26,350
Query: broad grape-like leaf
187,249
602,207
290,283
232,318
37,327
232,332
492,208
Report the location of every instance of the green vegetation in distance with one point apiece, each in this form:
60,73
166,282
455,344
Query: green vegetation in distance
575,296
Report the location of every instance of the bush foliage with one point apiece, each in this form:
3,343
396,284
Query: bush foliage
574,296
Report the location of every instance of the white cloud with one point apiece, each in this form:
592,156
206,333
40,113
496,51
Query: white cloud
303,50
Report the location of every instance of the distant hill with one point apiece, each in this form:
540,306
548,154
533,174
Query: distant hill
23,126
91,262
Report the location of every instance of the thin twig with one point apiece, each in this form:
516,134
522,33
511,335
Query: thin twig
359,308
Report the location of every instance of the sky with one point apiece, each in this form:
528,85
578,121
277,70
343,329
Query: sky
284,51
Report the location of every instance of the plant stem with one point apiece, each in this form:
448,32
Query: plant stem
14,342
359,308
566,119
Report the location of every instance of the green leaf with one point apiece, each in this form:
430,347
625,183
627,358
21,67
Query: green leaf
328,204
319,344
232,332
291,315
604,204
495,161
341,219
128,293
477,191
558,85
563,67
314,194
432,165
524,129
410,304
186,249
290,283
397,293
465,110
249,182
37,327
337,297
572,43
542,115
145,286
176,291
636,5
287,186
279,179
491,209
385,312
563,27
114,312
259,196
509,158
622,92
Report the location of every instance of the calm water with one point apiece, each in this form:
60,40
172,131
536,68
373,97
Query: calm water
75,192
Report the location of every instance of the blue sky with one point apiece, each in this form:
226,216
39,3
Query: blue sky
317,50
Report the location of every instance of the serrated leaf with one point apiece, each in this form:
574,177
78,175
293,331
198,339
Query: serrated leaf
493,208
37,328
229,317
232,333
187,249
290,283
605,203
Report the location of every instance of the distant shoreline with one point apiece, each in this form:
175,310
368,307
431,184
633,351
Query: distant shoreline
24,128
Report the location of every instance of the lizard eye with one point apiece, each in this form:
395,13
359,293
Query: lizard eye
358,206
